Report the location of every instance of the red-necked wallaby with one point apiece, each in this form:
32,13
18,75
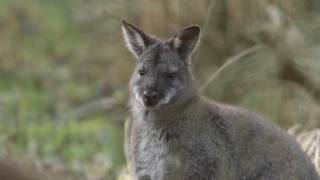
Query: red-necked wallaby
175,134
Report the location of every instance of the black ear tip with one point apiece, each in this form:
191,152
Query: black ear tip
195,28
124,22
127,25
192,29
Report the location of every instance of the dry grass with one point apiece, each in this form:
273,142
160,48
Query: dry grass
310,143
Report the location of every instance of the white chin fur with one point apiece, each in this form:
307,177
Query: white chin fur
167,98
162,101
136,96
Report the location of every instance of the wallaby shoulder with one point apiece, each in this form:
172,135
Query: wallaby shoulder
267,147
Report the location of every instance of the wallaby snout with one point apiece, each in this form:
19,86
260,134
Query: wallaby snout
150,97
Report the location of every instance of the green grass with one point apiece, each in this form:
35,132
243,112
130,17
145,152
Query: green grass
68,142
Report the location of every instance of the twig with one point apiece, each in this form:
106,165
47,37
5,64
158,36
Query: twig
86,110
93,107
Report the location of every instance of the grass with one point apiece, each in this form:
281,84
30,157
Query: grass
310,143
77,145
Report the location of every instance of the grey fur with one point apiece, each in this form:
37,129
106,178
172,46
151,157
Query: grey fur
186,137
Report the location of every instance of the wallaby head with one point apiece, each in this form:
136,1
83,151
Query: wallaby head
162,75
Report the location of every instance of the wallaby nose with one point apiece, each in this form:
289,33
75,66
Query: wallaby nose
150,97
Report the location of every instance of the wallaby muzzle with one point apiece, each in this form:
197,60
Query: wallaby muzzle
150,98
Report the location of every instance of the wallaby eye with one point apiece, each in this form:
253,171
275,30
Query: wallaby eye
142,72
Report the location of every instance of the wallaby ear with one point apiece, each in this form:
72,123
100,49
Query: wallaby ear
186,41
136,40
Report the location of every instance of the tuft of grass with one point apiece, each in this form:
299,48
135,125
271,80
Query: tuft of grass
310,143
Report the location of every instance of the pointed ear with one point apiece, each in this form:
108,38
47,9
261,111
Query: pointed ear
186,41
136,40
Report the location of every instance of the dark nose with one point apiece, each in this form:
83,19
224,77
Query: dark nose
150,97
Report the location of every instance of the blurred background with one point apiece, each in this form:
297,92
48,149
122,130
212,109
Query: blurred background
64,72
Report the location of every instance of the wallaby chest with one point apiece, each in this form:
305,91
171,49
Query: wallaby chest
180,151
155,150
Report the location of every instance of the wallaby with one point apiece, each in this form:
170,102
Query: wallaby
175,134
